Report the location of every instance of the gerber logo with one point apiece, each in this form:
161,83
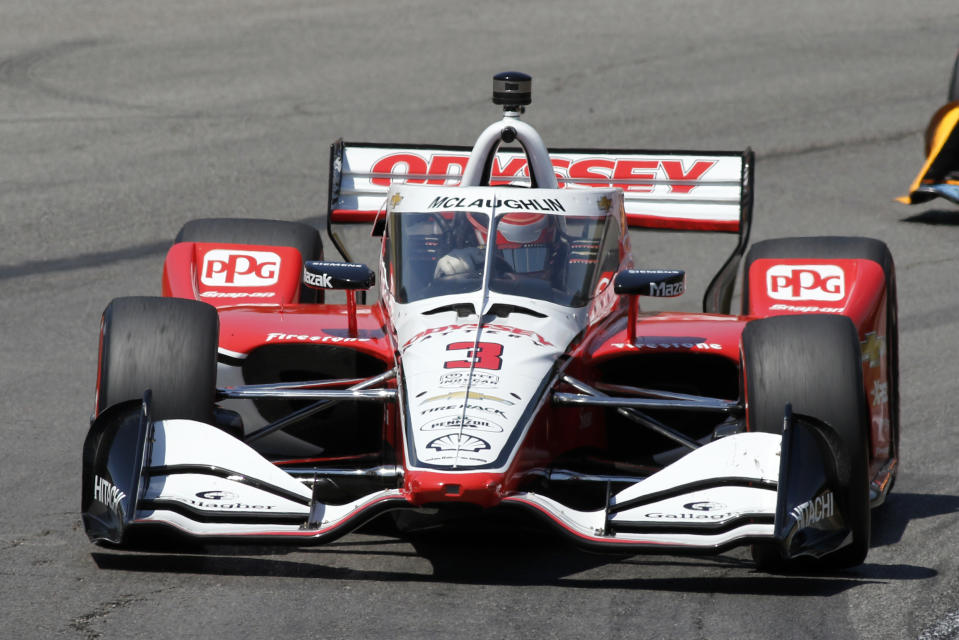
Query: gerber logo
224,268
806,282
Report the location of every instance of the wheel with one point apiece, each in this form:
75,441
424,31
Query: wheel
845,248
168,345
271,233
814,363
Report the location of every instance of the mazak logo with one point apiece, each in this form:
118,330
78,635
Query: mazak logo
806,282
323,280
224,268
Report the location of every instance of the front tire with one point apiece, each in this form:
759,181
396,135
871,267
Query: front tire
814,363
168,345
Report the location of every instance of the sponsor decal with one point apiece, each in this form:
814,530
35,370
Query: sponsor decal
665,343
458,442
462,378
237,294
221,504
294,337
604,298
216,495
825,282
531,204
107,494
815,510
665,290
229,268
879,393
628,174
322,280
805,308
604,204
395,200
700,515
704,506
873,349
472,395
460,422
458,407
511,332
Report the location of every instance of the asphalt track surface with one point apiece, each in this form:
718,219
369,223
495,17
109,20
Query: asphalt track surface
120,121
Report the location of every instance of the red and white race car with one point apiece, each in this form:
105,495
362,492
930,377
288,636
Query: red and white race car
506,364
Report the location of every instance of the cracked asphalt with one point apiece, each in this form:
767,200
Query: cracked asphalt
121,121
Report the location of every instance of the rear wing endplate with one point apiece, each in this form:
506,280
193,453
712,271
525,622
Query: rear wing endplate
666,190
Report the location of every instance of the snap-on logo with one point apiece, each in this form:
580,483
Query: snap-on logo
224,268
806,282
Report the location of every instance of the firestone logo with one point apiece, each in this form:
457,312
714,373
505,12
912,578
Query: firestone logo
825,282
224,268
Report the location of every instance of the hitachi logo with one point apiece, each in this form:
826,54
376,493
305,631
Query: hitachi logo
819,508
106,493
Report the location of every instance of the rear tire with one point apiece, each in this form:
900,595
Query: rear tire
167,345
814,363
270,233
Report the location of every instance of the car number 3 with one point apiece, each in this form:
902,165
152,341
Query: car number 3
485,355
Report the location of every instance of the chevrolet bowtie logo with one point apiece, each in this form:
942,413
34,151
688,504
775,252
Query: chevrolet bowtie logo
604,204
873,349
395,200
473,395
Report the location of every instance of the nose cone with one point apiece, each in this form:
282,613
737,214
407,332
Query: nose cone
428,487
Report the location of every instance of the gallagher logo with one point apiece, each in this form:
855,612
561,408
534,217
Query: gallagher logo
806,282
224,268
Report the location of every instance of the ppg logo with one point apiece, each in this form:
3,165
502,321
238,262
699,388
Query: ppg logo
224,268
806,282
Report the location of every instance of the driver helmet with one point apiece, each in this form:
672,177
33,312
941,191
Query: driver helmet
524,240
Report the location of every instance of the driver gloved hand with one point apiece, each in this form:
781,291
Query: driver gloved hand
459,262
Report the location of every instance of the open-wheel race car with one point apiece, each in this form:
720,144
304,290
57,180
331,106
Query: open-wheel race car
506,364
939,175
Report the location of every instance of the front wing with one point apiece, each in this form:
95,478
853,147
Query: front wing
208,485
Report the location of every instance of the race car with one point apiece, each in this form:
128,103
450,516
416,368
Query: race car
506,366
939,176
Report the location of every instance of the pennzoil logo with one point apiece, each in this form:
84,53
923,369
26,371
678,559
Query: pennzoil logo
459,422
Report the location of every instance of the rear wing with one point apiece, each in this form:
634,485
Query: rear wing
667,190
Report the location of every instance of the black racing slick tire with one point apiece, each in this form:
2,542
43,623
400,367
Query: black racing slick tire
812,362
167,345
271,233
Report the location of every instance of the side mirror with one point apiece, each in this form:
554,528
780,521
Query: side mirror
658,283
337,275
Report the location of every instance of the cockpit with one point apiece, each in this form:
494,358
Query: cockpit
555,256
